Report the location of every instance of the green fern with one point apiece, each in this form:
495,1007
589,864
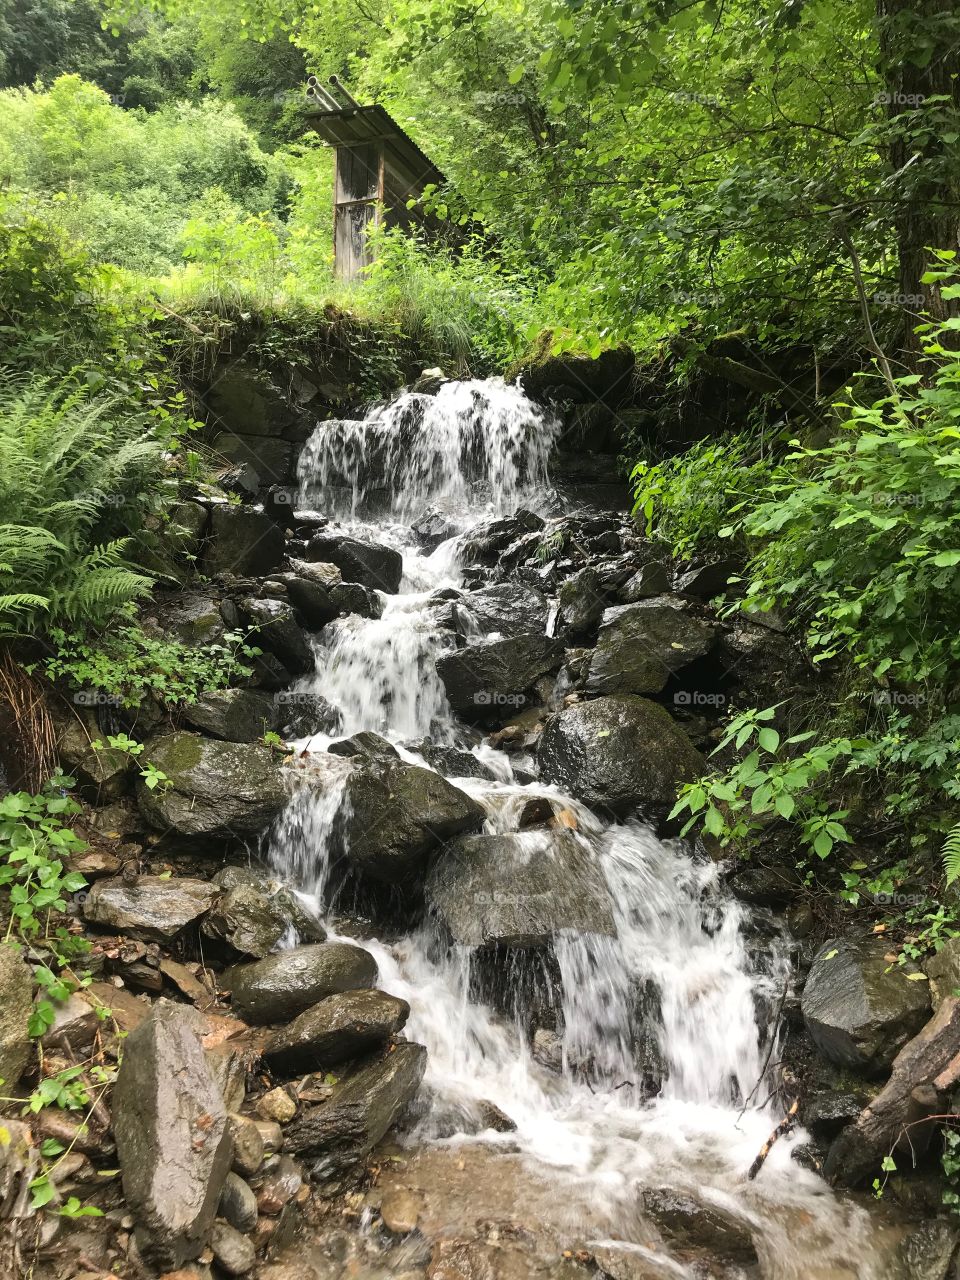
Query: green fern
78,471
951,854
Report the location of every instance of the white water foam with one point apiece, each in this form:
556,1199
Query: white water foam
480,449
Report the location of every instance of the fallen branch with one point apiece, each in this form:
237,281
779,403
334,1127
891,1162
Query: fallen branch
785,1125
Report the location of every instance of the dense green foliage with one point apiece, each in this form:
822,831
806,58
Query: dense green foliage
750,193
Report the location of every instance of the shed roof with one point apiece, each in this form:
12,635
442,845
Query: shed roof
352,126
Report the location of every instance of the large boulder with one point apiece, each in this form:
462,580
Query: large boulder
16,1005
215,788
170,1126
924,1076
278,631
338,1028
618,754
281,986
860,1007
395,814
519,889
641,645
151,908
243,540
253,918
236,715
244,399
369,563
509,608
362,1107
493,678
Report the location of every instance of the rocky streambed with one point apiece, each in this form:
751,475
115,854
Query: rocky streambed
434,990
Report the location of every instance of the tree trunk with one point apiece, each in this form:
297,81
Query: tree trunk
920,61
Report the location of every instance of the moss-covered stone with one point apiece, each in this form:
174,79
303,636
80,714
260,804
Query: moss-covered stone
215,788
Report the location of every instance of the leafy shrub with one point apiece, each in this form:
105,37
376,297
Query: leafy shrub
689,500
128,665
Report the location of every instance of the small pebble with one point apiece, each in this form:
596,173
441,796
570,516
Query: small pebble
277,1105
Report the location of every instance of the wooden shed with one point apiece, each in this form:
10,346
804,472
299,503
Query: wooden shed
378,170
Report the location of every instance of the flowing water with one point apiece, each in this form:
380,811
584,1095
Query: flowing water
591,1135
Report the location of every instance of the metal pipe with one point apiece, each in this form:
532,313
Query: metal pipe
350,99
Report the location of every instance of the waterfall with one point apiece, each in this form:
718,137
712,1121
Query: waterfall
674,978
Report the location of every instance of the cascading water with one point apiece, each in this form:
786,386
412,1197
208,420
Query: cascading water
479,450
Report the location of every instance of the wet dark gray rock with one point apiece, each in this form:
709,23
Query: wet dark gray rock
859,1007
708,580
16,1005
170,1126
361,1110
236,715
370,563
302,713
366,745
278,631
688,1221
352,597
432,528
232,1252
926,1253
767,882
509,608
254,918
215,788
238,1204
641,645
311,599
452,762
280,986
396,813
150,908
618,754
581,602
338,1028
650,580
243,540
519,889
493,679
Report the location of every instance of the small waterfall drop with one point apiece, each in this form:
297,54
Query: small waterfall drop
674,979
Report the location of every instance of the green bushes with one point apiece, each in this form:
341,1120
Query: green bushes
78,475
858,541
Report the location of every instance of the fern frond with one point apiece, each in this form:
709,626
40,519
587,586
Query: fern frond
951,854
